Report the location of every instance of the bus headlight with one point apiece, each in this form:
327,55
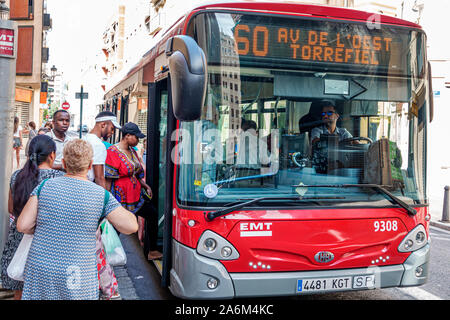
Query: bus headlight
214,246
209,244
420,237
226,252
414,240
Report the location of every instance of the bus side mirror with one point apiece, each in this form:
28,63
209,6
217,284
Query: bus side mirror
430,92
187,67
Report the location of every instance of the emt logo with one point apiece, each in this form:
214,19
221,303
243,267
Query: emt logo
256,229
6,42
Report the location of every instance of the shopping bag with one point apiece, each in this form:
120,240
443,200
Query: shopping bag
17,264
107,280
115,254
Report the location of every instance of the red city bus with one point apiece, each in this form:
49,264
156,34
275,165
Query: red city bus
287,150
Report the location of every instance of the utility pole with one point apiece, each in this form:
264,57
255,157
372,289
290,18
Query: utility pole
8,55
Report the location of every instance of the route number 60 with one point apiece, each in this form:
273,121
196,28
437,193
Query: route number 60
382,226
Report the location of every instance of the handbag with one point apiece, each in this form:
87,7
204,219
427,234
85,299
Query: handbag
16,267
106,277
147,209
115,254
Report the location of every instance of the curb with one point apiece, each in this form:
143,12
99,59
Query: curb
127,290
442,225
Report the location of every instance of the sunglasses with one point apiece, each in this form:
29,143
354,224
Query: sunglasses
329,113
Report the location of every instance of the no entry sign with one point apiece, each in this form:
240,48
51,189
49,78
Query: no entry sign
6,42
65,105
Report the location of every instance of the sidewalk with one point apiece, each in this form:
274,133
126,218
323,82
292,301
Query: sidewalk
436,214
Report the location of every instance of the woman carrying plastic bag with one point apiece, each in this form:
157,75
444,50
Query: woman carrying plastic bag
115,254
17,264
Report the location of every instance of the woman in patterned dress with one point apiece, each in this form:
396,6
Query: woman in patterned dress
124,171
41,154
124,174
64,216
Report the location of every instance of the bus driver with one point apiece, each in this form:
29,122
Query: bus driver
329,117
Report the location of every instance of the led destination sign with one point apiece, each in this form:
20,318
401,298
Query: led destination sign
325,42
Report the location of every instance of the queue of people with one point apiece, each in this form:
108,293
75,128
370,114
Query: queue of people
65,189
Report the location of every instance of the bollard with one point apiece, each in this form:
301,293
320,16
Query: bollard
445,209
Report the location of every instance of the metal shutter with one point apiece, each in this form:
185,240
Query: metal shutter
142,121
22,110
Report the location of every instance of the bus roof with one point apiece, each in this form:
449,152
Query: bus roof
305,9
289,7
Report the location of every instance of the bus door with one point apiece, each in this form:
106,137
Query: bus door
123,117
157,160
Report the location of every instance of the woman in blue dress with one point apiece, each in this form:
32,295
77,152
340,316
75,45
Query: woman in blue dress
63,214
41,155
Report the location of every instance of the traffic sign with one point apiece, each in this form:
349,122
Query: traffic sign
65,105
78,95
81,95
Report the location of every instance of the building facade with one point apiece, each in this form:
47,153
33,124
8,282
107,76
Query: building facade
127,99
32,55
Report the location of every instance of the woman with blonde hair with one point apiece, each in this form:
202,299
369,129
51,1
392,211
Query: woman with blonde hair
63,214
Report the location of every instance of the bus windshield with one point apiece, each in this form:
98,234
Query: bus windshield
295,102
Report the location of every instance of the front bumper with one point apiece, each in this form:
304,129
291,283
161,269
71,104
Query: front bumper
191,271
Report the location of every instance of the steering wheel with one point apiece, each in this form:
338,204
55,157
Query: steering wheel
356,139
301,162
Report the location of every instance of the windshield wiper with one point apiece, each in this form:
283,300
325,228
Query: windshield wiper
377,187
230,180
237,205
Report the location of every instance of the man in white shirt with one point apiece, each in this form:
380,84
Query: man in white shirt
105,124
61,123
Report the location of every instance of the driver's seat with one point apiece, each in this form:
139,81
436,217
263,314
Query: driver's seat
312,119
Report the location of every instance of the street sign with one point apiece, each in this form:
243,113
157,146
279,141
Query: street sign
81,95
78,95
65,105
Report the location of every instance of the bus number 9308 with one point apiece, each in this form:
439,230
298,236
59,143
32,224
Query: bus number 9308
383,226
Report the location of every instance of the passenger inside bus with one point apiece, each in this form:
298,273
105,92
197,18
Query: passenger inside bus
312,119
247,157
